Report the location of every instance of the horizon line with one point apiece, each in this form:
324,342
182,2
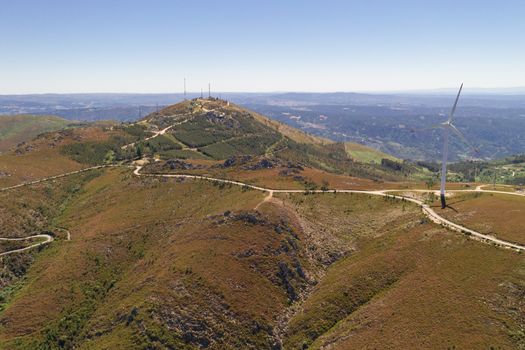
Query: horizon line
440,90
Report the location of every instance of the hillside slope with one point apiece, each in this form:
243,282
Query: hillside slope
217,130
186,263
20,128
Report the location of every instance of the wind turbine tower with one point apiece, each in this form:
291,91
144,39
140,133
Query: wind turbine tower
447,127
184,89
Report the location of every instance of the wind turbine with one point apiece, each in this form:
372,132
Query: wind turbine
447,128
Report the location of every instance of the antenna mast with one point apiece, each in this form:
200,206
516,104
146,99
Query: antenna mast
184,89
209,91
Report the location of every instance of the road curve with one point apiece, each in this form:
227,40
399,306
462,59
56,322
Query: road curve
48,239
427,210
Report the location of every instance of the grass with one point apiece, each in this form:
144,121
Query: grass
182,154
494,214
253,145
20,128
157,254
369,298
52,153
186,264
27,211
170,263
12,245
364,154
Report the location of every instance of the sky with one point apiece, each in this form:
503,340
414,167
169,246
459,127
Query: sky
150,46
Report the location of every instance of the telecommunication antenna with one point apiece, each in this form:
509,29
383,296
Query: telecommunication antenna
184,89
209,91
201,93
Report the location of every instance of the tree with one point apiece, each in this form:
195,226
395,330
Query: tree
139,151
430,182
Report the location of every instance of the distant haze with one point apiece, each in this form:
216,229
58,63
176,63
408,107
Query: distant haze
388,122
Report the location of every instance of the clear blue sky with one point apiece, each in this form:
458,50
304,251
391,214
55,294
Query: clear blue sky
249,45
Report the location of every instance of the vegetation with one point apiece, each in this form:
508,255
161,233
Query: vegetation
365,154
489,213
368,299
20,128
170,263
510,170
94,153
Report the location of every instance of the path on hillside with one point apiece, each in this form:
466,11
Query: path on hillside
478,189
57,176
427,210
155,134
48,239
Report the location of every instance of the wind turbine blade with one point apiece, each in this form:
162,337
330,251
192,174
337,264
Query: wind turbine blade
463,138
455,104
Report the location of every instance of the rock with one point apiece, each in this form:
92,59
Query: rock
262,164
175,164
236,160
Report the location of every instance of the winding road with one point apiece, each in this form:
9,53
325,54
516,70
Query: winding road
427,210
48,239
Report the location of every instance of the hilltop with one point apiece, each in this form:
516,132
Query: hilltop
206,133
214,129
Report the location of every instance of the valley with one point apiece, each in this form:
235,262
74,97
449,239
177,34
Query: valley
205,225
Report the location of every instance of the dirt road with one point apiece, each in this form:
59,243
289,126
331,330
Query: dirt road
427,210
48,239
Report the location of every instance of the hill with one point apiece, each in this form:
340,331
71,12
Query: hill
20,128
508,170
145,259
365,154
188,264
383,121
217,130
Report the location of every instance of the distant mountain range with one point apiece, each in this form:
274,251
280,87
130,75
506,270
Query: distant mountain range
490,118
